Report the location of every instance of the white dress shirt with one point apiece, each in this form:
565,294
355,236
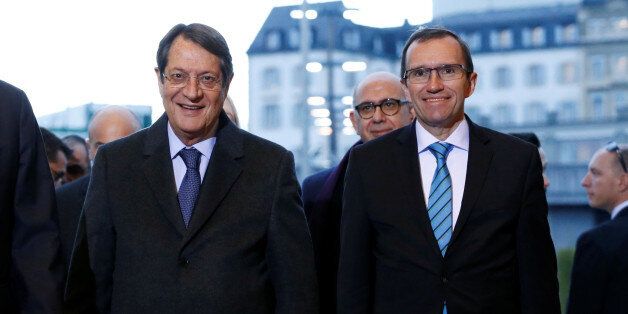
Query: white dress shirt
618,209
205,147
456,162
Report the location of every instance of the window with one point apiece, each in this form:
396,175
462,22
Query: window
298,115
566,33
501,39
378,45
567,73
271,118
503,114
535,113
351,39
596,101
535,75
567,111
503,77
273,40
595,27
597,67
473,40
294,38
350,79
620,67
298,75
270,78
534,37
621,101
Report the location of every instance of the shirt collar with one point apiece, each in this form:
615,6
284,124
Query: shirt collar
619,208
205,146
459,137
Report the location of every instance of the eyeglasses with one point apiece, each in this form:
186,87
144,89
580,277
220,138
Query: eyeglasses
389,107
446,72
179,79
614,148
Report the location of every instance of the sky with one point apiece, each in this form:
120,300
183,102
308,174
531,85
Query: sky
66,53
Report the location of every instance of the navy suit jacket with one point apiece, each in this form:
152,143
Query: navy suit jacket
500,258
322,199
599,279
246,249
30,269
70,198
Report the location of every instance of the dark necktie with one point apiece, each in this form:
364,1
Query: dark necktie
188,191
440,199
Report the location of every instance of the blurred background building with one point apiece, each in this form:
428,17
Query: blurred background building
75,120
556,68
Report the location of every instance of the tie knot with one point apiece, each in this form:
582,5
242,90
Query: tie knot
191,157
440,150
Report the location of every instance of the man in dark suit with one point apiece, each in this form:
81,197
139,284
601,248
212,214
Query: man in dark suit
599,279
445,216
194,214
380,106
30,273
108,124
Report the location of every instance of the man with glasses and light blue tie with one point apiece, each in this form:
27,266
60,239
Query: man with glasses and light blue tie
193,214
443,215
380,106
599,279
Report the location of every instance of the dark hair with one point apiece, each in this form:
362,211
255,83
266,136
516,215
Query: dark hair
528,137
425,34
53,144
75,139
203,35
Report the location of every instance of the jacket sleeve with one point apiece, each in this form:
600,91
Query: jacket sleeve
35,255
290,255
535,249
101,240
355,269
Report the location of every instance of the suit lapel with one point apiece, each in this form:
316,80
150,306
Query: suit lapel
407,161
157,168
222,172
478,164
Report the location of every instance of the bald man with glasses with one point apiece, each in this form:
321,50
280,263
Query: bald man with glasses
380,106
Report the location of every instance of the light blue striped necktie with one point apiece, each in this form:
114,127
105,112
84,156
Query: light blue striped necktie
440,199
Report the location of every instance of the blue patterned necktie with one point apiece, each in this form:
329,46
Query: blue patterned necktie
188,191
440,200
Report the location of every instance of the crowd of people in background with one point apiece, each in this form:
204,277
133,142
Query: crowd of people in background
427,213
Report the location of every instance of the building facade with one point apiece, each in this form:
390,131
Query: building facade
556,68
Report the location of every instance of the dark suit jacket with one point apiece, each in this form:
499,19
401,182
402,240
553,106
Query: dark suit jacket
500,259
599,279
70,198
322,202
247,248
30,272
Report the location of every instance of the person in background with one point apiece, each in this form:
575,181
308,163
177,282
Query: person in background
78,163
31,276
194,214
380,106
534,140
107,125
231,111
58,154
442,216
599,278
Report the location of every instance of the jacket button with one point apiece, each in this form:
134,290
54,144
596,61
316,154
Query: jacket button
183,262
444,279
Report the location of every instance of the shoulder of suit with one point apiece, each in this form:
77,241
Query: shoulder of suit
257,144
318,178
612,235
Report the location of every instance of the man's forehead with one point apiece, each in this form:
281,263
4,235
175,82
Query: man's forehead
377,91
